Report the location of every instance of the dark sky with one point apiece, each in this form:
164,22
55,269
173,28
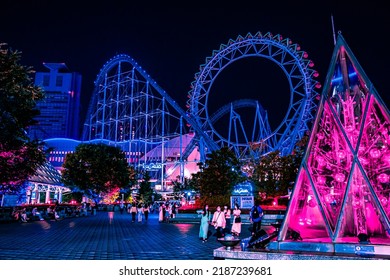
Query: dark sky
170,42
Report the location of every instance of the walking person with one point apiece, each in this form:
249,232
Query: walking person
161,213
121,207
168,212
204,223
236,227
140,212
227,212
219,222
256,215
133,211
173,210
146,211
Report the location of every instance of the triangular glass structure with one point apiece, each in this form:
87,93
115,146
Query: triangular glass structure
342,192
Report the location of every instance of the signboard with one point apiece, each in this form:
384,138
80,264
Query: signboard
245,202
244,188
153,166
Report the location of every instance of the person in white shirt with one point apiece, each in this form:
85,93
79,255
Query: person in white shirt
219,222
37,214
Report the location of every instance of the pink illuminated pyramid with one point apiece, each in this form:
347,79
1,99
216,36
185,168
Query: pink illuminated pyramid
342,192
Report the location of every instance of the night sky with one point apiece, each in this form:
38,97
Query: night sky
170,42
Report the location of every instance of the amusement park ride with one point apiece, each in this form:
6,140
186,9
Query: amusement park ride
129,109
340,202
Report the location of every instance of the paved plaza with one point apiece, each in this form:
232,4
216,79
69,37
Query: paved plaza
106,236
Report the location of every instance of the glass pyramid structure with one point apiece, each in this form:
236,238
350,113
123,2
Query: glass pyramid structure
342,191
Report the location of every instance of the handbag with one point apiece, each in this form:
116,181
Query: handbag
237,219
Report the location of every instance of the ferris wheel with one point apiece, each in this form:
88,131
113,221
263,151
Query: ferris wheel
302,103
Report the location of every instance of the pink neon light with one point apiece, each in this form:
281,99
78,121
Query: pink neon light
383,178
340,177
375,153
333,182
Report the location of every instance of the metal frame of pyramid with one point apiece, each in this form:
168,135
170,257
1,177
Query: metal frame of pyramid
341,199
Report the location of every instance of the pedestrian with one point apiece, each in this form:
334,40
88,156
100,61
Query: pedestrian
173,210
146,211
227,212
140,212
256,215
219,222
133,212
236,227
168,212
121,206
161,213
204,223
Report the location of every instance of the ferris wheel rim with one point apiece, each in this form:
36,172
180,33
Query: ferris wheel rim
200,89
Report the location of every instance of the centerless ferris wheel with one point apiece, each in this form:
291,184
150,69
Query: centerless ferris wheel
298,70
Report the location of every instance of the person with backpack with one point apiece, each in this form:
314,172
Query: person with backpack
256,215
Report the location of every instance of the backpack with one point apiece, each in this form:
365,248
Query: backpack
255,212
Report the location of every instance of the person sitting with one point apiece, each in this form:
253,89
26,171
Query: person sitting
15,214
36,213
23,215
52,213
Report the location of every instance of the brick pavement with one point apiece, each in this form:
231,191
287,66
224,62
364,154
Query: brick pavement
106,236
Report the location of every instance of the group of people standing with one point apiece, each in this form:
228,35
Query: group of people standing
166,211
228,222
221,221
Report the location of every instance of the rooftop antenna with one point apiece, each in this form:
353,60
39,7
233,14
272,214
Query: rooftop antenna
334,35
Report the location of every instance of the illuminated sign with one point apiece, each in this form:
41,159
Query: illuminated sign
245,202
244,188
152,166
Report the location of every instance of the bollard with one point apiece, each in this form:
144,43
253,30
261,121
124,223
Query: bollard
243,247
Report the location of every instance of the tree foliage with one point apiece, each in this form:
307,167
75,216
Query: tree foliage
145,189
20,157
96,169
217,176
180,189
273,173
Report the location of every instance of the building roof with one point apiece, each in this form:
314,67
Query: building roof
48,175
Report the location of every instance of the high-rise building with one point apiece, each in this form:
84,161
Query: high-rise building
60,109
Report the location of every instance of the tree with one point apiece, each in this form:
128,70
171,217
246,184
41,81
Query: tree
126,191
180,189
274,173
145,190
20,157
96,169
217,176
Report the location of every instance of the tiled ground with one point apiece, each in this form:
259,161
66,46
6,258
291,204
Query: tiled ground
106,236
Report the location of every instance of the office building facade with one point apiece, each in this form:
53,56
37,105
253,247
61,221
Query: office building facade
60,109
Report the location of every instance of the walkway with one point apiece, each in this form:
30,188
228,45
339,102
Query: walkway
106,236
